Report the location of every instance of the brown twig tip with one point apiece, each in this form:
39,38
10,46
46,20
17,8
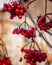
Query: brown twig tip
31,2
50,0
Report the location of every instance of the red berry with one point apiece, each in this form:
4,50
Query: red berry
11,17
15,4
25,35
4,64
9,9
17,32
1,62
30,51
5,4
31,63
25,57
14,31
40,59
39,17
19,7
20,16
22,7
13,7
21,12
27,6
22,50
17,11
8,5
4,9
22,33
28,31
26,51
44,55
33,60
7,60
28,61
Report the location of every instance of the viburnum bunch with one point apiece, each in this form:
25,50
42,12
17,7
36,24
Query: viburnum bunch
5,61
33,56
28,33
43,25
15,9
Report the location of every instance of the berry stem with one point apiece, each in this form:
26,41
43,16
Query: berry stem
36,44
21,24
25,45
24,23
31,45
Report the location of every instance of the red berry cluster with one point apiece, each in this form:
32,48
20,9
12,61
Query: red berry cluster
15,9
43,25
5,61
33,56
27,33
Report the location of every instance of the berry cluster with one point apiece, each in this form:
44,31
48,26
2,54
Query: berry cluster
28,33
15,9
5,61
33,56
43,25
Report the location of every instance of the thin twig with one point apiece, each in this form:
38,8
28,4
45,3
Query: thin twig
25,45
28,25
45,6
48,32
20,25
25,21
31,2
46,41
31,45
